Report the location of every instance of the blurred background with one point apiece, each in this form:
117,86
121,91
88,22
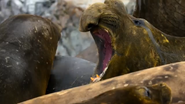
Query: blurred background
65,13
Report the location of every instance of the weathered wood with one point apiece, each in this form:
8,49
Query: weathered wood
172,74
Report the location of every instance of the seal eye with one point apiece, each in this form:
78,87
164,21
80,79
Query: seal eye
138,22
144,92
147,92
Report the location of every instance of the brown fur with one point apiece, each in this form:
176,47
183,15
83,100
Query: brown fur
156,94
166,15
135,48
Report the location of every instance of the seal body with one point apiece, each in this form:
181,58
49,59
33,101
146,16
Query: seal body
127,44
69,72
27,49
159,13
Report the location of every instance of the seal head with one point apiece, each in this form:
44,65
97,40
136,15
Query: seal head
154,94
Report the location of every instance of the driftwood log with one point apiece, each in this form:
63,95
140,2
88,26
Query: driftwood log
171,74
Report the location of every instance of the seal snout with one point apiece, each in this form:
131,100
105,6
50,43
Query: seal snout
91,16
87,22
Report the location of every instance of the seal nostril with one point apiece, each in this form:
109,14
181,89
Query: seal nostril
90,26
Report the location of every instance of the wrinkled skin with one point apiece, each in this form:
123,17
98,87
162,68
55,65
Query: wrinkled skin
155,94
134,49
27,49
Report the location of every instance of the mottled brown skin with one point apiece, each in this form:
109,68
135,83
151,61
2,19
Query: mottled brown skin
27,49
156,94
135,50
166,15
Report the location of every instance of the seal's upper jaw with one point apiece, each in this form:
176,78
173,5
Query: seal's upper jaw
90,17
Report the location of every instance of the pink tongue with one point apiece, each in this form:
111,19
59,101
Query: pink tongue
107,47
108,54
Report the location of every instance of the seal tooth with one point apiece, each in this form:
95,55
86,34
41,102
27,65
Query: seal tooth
98,77
101,75
106,30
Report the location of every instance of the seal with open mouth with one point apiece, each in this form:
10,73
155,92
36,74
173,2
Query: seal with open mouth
125,43
155,94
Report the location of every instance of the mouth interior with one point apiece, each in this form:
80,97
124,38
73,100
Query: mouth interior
103,42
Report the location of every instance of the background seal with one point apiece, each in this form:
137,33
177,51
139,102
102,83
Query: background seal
27,48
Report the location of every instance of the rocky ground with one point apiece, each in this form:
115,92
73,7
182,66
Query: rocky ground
65,13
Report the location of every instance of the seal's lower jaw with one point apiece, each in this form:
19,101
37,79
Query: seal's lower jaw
103,41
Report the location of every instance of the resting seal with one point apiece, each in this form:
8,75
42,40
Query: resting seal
156,94
166,15
127,44
27,48
69,72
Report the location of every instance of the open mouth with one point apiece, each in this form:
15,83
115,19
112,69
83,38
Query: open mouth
103,41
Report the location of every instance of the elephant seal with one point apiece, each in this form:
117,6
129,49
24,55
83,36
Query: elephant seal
155,94
125,43
69,72
27,49
167,16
